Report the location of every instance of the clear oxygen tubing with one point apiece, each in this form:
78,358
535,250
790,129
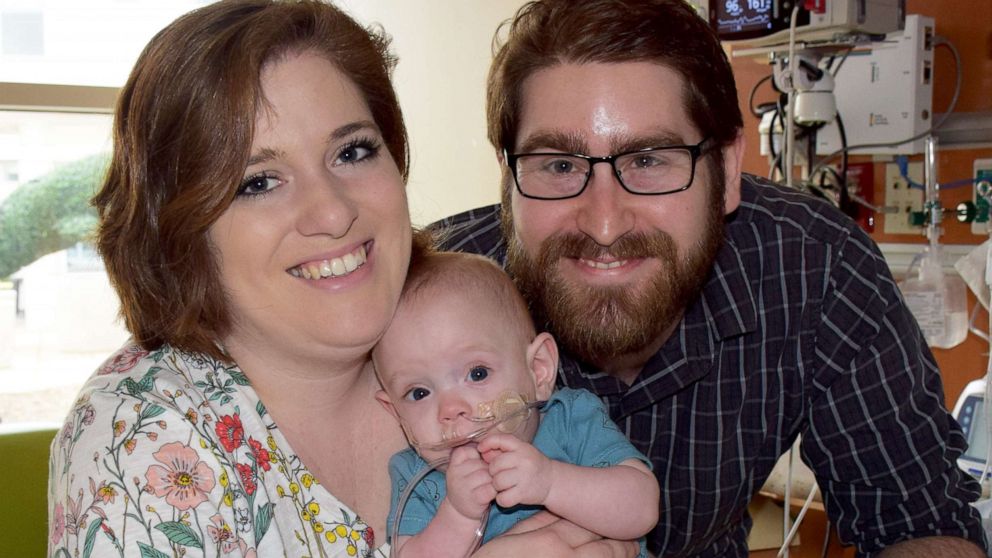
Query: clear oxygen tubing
931,194
784,550
507,412
790,124
790,148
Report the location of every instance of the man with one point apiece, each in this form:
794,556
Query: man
718,316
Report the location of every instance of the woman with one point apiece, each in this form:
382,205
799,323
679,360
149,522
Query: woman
254,224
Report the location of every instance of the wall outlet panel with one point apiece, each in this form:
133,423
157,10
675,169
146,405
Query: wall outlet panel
983,172
904,198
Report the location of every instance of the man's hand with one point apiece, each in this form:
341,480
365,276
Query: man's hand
521,474
470,486
546,536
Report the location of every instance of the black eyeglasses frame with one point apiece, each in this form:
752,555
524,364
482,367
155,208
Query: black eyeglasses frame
695,151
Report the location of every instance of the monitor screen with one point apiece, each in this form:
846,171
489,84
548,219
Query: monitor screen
735,20
743,16
976,428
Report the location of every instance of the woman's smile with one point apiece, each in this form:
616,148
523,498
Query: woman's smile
331,267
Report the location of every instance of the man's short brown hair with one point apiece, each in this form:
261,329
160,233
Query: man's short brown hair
546,33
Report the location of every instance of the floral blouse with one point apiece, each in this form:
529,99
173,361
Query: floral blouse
169,454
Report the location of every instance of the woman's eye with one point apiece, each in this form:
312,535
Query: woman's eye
359,150
478,373
416,394
258,184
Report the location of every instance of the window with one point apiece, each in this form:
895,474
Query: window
61,64
21,33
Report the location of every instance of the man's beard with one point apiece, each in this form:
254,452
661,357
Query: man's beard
598,324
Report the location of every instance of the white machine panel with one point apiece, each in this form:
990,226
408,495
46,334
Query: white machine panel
885,93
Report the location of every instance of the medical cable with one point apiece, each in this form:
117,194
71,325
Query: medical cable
795,526
973,326
507,412
789,160
790,124
758,111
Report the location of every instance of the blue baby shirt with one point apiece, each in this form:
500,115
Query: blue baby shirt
575,429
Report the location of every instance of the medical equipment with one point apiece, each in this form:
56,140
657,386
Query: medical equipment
972,414
807,69
970,410
884,91
938,301
880,85
505,413
765,22
977,211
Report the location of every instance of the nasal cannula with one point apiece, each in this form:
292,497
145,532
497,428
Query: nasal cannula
506,413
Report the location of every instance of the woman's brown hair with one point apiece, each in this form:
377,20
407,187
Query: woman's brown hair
182,133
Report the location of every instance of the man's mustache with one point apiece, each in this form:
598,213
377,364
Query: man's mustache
631,245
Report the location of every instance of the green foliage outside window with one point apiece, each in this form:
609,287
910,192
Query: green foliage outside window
50,213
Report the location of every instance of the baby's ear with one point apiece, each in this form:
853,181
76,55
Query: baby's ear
542,359
383,398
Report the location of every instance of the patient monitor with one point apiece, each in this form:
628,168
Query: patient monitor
971,412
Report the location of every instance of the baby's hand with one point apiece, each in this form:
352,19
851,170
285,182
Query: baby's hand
521,474
470,486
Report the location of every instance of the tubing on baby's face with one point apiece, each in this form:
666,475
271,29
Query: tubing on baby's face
505,413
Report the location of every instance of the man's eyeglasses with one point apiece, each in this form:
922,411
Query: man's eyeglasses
653,171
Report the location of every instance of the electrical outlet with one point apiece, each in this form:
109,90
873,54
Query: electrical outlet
983,172
902,197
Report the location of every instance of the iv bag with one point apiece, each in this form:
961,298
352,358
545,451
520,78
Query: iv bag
938,302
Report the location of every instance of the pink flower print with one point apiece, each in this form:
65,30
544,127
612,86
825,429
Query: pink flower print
245,551
221,532
184,481
58,524
247,477
261,454
106,493
124,360
74,518
88,415
231,433
66,434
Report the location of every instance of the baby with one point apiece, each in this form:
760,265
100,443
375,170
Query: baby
460,350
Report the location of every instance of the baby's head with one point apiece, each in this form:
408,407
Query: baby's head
461,337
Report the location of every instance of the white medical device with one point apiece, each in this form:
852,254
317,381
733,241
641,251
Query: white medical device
766,22
970,412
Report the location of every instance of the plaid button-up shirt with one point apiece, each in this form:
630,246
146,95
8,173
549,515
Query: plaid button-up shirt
799,330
